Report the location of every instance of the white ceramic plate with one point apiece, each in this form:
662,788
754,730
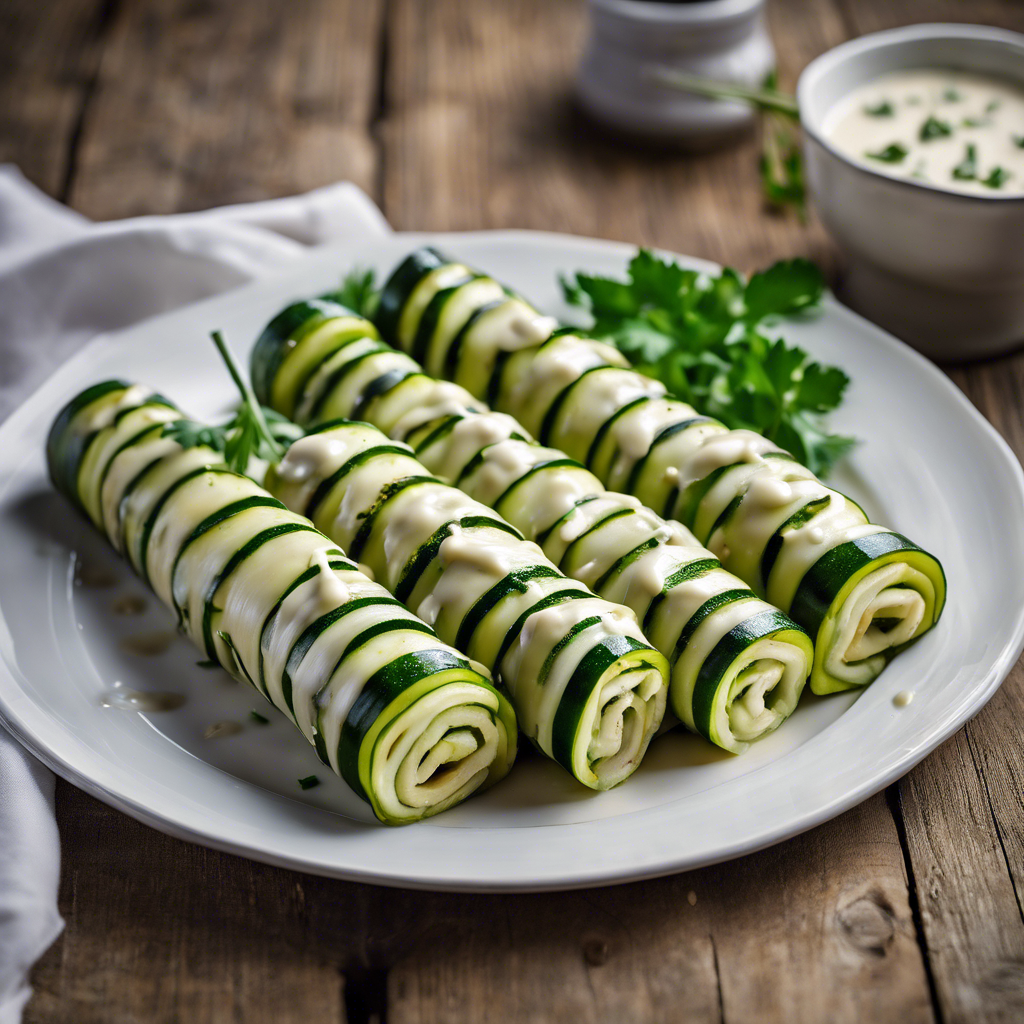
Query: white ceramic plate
929,466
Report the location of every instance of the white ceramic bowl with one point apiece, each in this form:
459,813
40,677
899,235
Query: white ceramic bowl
940,269
721,40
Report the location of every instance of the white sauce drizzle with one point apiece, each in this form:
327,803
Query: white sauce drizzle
331,589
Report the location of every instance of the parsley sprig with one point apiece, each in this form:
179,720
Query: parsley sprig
701,335
253,432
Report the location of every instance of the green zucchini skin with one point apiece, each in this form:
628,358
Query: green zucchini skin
622,552
749,502
472,576
279,606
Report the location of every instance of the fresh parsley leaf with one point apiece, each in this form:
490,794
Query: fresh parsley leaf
781,166
967,169
997,177
309,782
249,434
1018,141
933,128
258,718
699,335
784,288
190,434
359,293
892,154
951,94
882,109
992,106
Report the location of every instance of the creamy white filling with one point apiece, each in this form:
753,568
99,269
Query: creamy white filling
857,645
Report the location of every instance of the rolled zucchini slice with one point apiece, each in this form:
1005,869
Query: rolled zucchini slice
767,518
409,723
588,689
608,542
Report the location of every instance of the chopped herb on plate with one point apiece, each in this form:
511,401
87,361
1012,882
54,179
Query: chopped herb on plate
882,109
309,782
1018,141
933,128
976,122
894,153
258,718
951,95
992,106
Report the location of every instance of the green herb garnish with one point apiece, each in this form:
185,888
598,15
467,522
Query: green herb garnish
992,106
258,718
780,163
976,122
1018,141
358,292
933,128
997,177
253,432
208,664
967,169
882,109
892,154
309,782
951,95
700,335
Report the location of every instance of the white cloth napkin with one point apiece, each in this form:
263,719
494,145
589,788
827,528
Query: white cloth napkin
64,279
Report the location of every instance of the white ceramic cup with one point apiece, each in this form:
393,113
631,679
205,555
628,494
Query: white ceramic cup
941,270
722,40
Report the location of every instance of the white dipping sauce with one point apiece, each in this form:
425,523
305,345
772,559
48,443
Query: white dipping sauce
952,130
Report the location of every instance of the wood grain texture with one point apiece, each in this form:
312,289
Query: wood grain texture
479,130
150,106
817,929
49,54
200,103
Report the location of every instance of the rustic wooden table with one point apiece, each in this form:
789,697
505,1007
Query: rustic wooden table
456,114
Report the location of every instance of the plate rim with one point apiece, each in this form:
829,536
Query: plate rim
564,878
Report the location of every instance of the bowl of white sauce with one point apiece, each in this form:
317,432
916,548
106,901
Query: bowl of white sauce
914,145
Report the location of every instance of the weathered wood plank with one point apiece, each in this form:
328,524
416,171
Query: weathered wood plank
817,929
160,931
963,809
480,131
200,104
48,58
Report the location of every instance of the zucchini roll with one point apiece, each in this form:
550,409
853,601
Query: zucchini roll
408,722
738,665
862,591
588,689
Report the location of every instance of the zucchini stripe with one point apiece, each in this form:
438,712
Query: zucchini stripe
673,459
472,575
614,545
276,604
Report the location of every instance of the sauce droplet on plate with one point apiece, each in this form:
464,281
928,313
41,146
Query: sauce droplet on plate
129,604
141,700
149,644
219,729
903,698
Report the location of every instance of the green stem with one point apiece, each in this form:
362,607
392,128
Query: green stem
764,99
248,397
